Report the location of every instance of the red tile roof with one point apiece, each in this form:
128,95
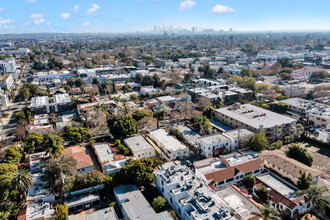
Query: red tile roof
80,155
277,197
231,172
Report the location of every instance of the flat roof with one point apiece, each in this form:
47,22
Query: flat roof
310,107
203,201
61,98
238,201
138,143
214,138
242,132
103,214
168,141
166,99
134,203
279,185
80,200
38,211
39,101
188,133
254,116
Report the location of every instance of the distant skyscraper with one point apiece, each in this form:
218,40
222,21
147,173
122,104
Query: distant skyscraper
230,30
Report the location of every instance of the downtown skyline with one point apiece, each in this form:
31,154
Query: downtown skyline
34,16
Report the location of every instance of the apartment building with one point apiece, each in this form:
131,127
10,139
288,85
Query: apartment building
7,81
213,145
272,125
288,167
40,104
7,66
189,196
310,112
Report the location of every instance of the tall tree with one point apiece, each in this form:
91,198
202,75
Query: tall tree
62,211
53,144
258,142
304,181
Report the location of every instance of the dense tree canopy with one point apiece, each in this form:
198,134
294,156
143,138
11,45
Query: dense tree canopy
76,134
124,126
139,172
263,193
209,112
258,142
56,169
14,154
301,154
53,144
32,141
141,113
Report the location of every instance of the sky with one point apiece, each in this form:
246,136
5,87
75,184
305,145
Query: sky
118,16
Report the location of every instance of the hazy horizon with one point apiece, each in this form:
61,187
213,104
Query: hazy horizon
127,16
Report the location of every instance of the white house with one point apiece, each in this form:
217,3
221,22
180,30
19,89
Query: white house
140,147
133,73
213,145
171,147
111,162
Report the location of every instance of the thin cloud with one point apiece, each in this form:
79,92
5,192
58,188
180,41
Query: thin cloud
186,5
86,23
48,23
222,9
65,16
39,21
1,10
31,1
75,8
93,9
4,21
37,18
36,15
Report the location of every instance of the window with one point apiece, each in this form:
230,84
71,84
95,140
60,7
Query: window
221,182
162,182
230,179
179,211
171,200
163,189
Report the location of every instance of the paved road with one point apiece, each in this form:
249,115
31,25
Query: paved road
7,125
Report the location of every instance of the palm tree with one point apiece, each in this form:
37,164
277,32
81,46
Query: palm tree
125,109
318,196
21,181
268,213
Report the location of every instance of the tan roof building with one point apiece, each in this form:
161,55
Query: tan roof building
287,167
